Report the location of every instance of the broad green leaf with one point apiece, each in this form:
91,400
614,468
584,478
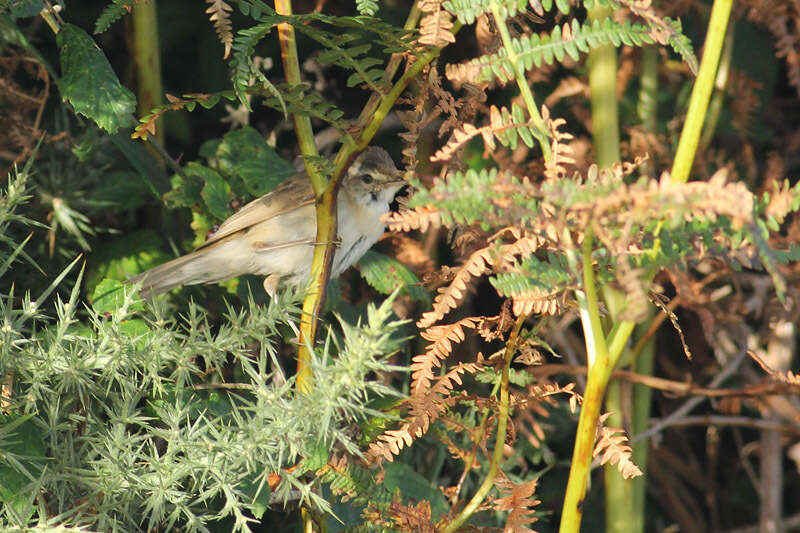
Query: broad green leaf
125,256
24,8
109,296
89,83
412,486
216,195
244,153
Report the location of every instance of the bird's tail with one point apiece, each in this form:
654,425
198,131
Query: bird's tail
189,269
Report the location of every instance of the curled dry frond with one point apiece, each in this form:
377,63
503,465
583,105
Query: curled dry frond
561,156
613,444
516,499
221,18
442,339
435,25
450,296
419,218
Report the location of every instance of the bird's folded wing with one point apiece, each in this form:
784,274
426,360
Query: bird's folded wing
292,194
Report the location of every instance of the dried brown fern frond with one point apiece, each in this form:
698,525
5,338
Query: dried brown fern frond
561,154
435,25
419,218
450,296
412,518
441,339
613,444
517,500
221,18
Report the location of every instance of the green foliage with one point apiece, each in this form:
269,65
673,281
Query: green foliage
239,167
532,273
386,274
22,8
537,50
89,83
111,13
367,7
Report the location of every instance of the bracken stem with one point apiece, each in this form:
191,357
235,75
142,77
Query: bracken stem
701,92
500,440
522,81
326,203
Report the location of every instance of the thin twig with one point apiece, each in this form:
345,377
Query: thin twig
680,388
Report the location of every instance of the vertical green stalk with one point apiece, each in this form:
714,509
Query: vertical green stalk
500,440
601,363
721,81
147,60
701,92
603,87
326,207
641,415
625,498
522,81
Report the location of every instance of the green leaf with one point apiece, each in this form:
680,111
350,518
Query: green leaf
89,83
25,8
258,494
385,274
125,256
217,195
245,153
412,485
109,296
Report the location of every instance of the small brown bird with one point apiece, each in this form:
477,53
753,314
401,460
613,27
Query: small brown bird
274,236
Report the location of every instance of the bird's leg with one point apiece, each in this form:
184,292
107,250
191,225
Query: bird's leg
271,285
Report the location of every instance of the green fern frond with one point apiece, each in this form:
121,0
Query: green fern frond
681,44
469,10
385,274
474,197
349,57
111,13
300,99
367,7
244,72
568,40
532,273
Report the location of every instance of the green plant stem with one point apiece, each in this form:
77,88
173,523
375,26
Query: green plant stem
603,87
630,513
500,440
701,92
302,123
647,104
641,416
325,210
718,97
391,69
522,81
601,360
314,302
147,61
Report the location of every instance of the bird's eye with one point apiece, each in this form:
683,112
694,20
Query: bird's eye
366,178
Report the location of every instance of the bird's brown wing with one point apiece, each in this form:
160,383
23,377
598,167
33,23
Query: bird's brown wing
293,193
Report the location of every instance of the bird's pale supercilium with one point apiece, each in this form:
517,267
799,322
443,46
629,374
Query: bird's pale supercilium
274,236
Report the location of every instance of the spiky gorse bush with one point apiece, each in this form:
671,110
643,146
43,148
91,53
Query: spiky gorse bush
117,419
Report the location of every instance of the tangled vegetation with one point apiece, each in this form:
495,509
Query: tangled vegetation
594,267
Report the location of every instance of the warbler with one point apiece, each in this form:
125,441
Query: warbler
275,235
